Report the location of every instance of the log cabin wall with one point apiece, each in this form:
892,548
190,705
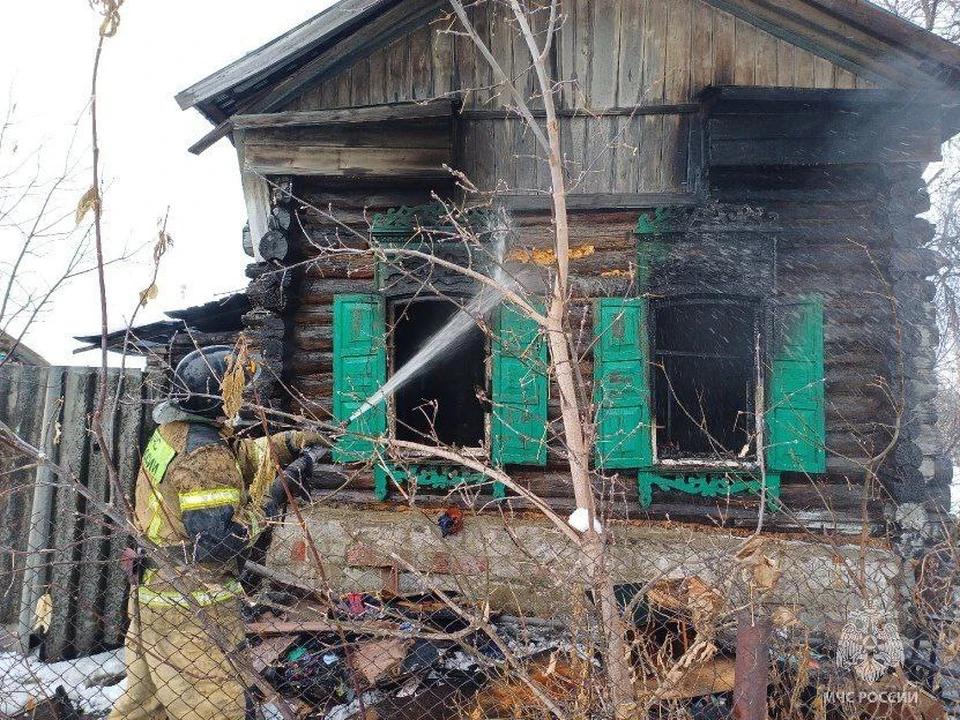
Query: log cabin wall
634,136
839,248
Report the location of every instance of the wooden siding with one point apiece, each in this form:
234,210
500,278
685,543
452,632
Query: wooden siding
631,71
609,54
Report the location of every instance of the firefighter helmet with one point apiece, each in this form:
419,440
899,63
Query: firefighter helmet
196,381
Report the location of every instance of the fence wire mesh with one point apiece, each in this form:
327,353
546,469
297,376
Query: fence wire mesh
448,604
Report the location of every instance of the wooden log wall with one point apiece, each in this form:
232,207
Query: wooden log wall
631,71
54,539
832,239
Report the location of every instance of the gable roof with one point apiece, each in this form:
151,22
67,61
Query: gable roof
855,34
283,54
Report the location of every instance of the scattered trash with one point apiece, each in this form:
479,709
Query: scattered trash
355,603
451,522
376,660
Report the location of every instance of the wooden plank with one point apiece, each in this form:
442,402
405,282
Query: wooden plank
526,152
690,108
678,54
360,76
567,54
604,73
397,73
501,46
444,61
421,62
846,150
766,59
344,88
676,141
524,76
482,72
786,62
630,45
651,149
502,150
481,164
702,53
599,136
256,192
328,92
584,49
576,152
745,53
628,150
823,73
342,161
804,68
378,77
654,53
893,124
432,132
376,113
724,47
844,79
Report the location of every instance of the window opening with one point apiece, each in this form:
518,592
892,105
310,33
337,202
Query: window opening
704,378
440,403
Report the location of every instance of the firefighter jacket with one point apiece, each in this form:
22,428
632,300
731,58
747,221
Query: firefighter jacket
197,501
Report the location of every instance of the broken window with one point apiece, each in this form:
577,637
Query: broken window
704,378
441,403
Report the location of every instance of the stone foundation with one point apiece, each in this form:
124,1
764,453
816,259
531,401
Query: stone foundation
526,566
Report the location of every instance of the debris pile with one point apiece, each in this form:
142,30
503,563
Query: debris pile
426,656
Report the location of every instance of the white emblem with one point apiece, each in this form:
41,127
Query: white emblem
870,643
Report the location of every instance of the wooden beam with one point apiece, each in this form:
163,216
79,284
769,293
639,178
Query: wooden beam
599,201
339,161
628,111
256,195
369,114
211,138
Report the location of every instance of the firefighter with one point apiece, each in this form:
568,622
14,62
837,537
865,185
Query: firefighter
194,505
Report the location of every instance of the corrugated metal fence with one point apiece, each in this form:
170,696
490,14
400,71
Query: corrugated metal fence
55,537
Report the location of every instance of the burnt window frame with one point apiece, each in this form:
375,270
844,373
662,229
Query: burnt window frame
392,303
656,376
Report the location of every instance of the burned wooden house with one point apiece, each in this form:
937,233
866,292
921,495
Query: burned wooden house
752,310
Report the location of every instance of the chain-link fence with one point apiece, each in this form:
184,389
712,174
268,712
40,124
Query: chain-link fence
443,603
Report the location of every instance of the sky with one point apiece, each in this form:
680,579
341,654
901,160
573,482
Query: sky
162,47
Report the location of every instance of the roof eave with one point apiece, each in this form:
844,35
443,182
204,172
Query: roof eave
322,28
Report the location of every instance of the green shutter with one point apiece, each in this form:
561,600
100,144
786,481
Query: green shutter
359,370
796,427
621,390
518,425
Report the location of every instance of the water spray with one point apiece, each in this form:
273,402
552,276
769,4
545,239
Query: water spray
488,297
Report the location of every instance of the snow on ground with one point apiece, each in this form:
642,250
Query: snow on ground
91,682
